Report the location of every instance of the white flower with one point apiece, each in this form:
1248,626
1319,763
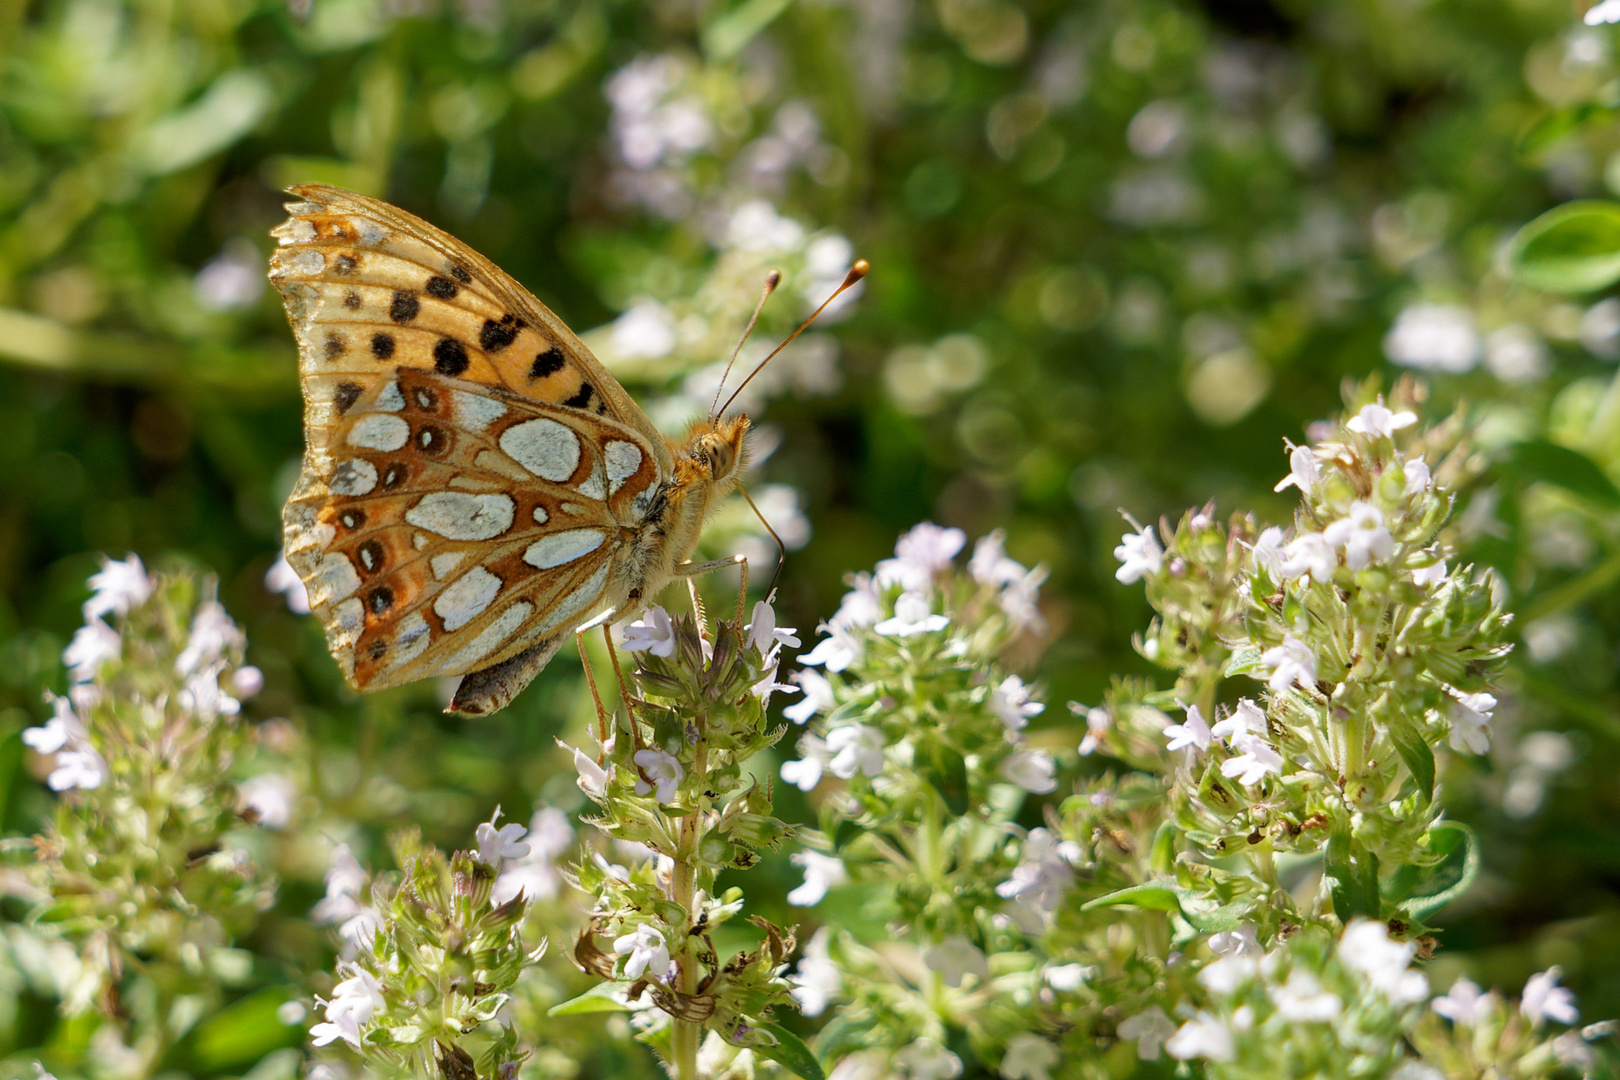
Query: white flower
756,226
282,578
268,797
1010,701
646,950
805,774
1433,574
1366,948
821,872
1067,978
344,880
535,875
1416,474
1516,354
1240,942
925,1059
1465,1003
837,652
247,681
1139,555
654,631
1225,975
921,553
1437,337
204,697
1309,554
956,957
767,685
1193,731
1604,11
593,778
1290,662
1028,1057
989,564
1204,1036
661,770
93,645
62,728
861,606
1268,552
498,843
1246,717
1362,535
1255,759
1150,1028
360,929
1470,717
1020,601
1098,721
1303,999
855,748
1377,422
1031,770
818,697
118,587
1543,999
913,614
83,769
354,1002
764,634
1044,872
818,979
1305,474
212,632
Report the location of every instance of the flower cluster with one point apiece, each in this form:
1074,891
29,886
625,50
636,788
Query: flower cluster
669,778
919,753
139,868
432,960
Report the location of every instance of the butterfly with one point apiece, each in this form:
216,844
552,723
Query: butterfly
476,485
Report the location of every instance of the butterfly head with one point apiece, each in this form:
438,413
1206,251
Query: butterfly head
716,448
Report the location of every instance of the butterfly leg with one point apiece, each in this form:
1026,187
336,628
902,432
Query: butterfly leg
624,687
493,688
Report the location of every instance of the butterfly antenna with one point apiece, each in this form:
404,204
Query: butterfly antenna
856,272
772,280
781,548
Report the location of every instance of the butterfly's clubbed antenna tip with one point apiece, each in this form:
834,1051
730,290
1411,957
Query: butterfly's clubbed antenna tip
856,272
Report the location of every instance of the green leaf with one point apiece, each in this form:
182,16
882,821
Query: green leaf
1571,470
1150,895
245,1031
1556,126
729,34
598,998
790,1052
1415,751
1354,877
1459,866
947,772
1573,248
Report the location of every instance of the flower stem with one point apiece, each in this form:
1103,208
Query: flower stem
686,1035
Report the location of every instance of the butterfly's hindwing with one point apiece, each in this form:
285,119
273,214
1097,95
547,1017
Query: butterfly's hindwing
448,525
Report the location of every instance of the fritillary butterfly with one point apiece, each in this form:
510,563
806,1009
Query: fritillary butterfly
475,485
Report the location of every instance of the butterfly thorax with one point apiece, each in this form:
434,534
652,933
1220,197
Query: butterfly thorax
707,465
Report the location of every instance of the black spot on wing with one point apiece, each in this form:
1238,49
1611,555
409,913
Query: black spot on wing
345,396
547,363
496,336
432,440
395,475
580,399
346,265
335,346
370,554
459,272
351,300
382,346
442,288
380,600
450,356
405,307
352,519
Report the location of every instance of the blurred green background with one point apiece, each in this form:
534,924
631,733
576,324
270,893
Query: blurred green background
1121,250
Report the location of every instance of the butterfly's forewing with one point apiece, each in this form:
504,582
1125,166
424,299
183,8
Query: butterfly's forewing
460,525
469,465
369,288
